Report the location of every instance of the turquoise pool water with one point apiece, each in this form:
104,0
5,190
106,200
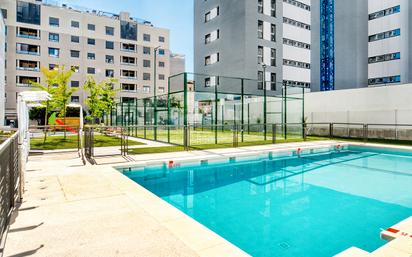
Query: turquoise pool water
315,205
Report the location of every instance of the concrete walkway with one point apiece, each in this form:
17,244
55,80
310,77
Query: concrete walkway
75,210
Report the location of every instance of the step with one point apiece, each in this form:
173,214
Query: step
401,229
353,252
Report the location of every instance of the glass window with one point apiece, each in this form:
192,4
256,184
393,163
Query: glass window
128,30
146,63
146,89
54,22
110,73
109,45
54,52
53,37
75,24
75,83
260,29
4,13
91,41
75,68
161,52
75,99
146,50
161,39
146,76
109,31
110,59
161,77
28,12
91,27
91,56
146,37
74,54
91,70
162,64
75,39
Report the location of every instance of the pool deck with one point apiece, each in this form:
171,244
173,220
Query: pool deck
74,210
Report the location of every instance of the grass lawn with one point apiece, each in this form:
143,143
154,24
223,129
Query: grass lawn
168,149
58,142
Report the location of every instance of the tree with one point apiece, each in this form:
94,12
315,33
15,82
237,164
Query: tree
101,97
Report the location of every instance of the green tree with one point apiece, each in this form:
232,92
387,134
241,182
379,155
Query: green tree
101,97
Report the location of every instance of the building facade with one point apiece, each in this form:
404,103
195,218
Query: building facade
244,39
2,70
389,42
339,44
93,43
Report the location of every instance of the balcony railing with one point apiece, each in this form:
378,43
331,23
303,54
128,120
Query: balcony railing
29,36
128,64
27,52
28,68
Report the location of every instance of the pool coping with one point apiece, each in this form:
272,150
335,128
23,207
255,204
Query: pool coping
198,237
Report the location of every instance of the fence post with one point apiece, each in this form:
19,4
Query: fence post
273,133
304,131
365,133
331,130
235,135
186,137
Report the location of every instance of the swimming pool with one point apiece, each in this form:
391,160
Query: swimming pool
315,204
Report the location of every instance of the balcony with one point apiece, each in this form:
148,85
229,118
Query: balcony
28,33
27,52
36,69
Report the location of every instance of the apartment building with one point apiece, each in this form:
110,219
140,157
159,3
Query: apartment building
339,44
389,42
93,43
177,64
2,70
245,38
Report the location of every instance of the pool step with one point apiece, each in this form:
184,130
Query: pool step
402,229
353,252
399,247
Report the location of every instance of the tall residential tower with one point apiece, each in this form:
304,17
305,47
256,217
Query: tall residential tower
93,43
237,38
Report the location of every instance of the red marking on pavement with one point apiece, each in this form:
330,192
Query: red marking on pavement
392,230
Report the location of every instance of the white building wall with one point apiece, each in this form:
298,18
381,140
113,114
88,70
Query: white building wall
2,70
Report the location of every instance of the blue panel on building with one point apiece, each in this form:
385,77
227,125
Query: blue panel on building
327,45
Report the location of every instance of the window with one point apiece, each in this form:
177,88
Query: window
91,41
212,36
161,52
385,80
91,56
273,81
146,50
110,73
146,89
53,37
75,24
53,66
74,54
272,57
260,80
131,74
298,4
27,49
75,99
146,63
273,8
146,76
161,77
295,43
211,81
146,37
75,68
297,64
91,70
161,89
296,23
128,47
385,35
28,33
385,57
28,12
386,12
54,52
292,83
128,87
54,22
161,39
110,59
128,60
162,64
75,39
27,65
91,27
109,31
212,14
128,30
211,59
260,54
273,33
74,83
109,45
4,13
260,29
260,6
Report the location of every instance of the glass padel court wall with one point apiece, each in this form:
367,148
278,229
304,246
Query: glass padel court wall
211,108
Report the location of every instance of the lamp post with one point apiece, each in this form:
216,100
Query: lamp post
264,101
154,93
